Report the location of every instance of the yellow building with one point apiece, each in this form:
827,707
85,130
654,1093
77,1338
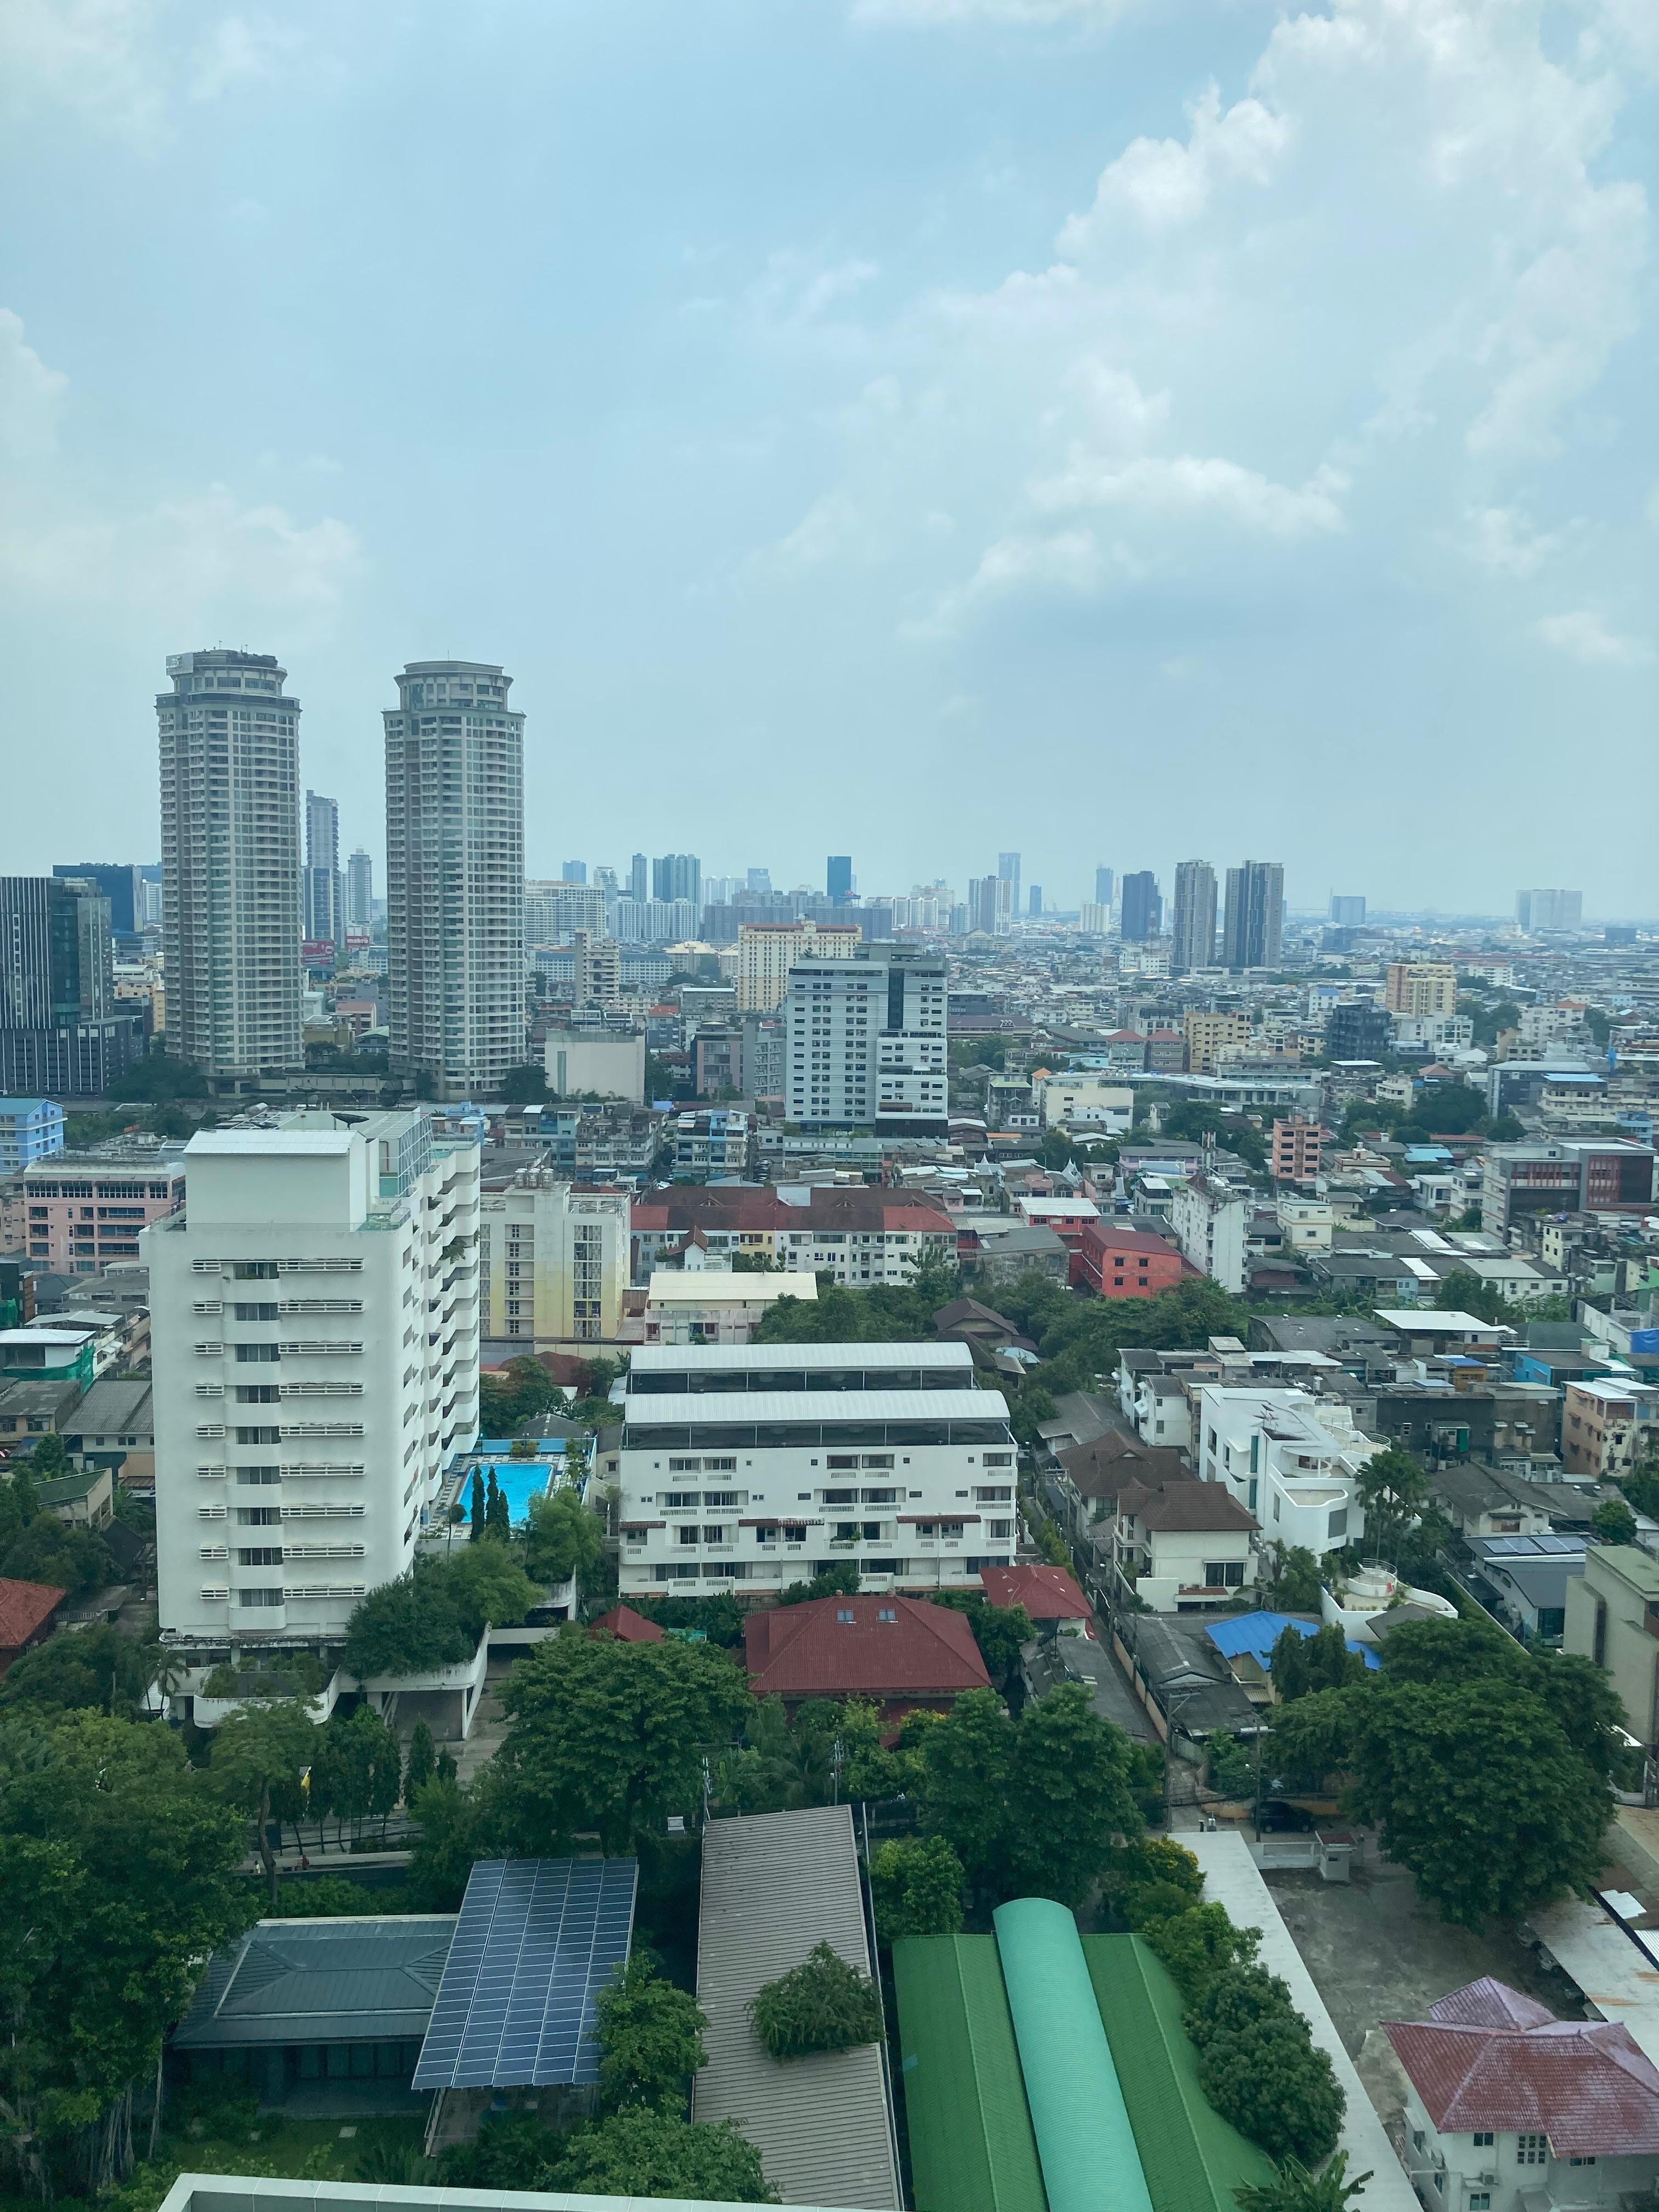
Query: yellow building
553,1262
1208,1034
767,950
1421,987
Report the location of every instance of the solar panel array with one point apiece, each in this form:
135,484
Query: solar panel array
537,1941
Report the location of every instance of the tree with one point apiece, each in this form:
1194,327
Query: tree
1231,1765
1154,1878
97,1669
434,1615
1198,1945
1292,1678
607,1739
1392,1489
917,1883
563,1538
49,1459
420,1762
1614,1522
639,2152
1296,1586
445,1848
822,2004
650,2036
1031,1805
840,1579
477,1505
259,1753
498,1520
1000,1631
117,1876
1275,2086
524,1087
520,1390
1294,2189
48,1550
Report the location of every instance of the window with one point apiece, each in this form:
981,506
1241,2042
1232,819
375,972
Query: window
1480,2200
1224,1574
257,1354
1482,2139
844,1615
259,1474
259,1436
253,1271
720,1498
258,1394
1338,1523
685,1467
1581,2161
260,1596
1531,2150
255,1313
266,1555
688,1534
682,1498
998,1459
890,1613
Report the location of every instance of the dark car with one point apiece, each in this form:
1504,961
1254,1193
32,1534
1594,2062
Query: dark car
1279,1817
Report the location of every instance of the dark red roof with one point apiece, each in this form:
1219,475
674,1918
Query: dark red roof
25,1609
1111,1238
628,1626
1192,1508
1046,1593
753,1211
866,1647
1584,2083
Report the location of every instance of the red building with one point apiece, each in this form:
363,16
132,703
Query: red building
1126,1263
899,1651
26,1613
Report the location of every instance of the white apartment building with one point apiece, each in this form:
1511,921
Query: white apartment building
748,1467
709,1306
1440,1032
230,865
611,1062
1209,1219
1085,1101
315,1369
866,1042
454,880
553,1261
1305,1225
599,969
1287,1458
555,910
767,950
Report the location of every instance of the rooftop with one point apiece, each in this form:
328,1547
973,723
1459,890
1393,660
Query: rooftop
317,1981
25,1609
683,1359
838,1647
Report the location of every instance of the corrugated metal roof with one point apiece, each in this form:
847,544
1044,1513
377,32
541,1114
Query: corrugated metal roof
337,1980
971,2145
774,1885
677,1359
651,1410
1192,2158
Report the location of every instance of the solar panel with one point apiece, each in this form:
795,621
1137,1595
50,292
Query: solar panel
537,1941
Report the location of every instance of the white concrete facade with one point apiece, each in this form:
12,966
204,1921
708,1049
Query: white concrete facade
1094,1101
600,1060
1286,1458
1209,1219
704,1305
553,1261
315,1363
804,1454
767,950
866,1042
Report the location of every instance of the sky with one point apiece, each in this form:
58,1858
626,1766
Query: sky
1123,430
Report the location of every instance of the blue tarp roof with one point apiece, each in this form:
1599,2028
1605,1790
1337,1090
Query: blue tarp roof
1258,1632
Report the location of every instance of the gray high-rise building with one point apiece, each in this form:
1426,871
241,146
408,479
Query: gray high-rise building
454,877
1143,909
1347,913
325,920
759,880
1193,929
360,893
1103,881
678,875
230,865
1008,870
838,877
1254,927
1549,910
639,878
575,872
61,1028
124,887
1034,900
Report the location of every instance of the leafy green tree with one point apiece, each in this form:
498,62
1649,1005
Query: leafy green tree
607,1739
261,1752
1231,1765
522,1389
1292,1677
917,1883
479,1505
822,2004
1029,1806
1614,1522
1294,2189
117,1876
498,1525
1394,1490
1000,1631
1154,1878
563,1538
1296,1586
841,1579
48,1550
420,1762
509,2152
49,1459
524,1087
650,2036
446,1847
434,1615
1275,2086
1198,1945
96,1669
640,2153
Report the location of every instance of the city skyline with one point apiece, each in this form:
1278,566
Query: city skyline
1011,446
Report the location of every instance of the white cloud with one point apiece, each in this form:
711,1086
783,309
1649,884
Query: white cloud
1503,538
31,394
1165,182
1036,13
1184,487
1065,563
237,51
1585,636
796,289
831,527
96,58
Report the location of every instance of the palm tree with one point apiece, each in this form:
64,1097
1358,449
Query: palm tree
1293,2189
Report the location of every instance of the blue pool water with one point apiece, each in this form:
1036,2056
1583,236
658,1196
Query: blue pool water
520,1480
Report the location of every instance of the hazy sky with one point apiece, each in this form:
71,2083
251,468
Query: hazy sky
1122,429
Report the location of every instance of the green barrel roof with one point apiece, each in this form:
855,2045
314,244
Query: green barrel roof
1193,2159
971,2145
1090,2162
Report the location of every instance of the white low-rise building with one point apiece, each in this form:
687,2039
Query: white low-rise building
553,1261
1287,1458
1305,1225
315,1321
751,1467
704,1305
1091,1102
597,1063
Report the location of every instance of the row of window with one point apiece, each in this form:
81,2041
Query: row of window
689,1570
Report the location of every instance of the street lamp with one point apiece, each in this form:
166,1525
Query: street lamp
1169,1712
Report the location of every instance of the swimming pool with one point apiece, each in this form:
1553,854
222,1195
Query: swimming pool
519,1481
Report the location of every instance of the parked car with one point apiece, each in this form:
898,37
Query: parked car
1279,1817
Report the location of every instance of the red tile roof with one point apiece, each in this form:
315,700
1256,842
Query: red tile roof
1046,1593
1584,2083
1110,1238
628,1626
25,1609
890,1647
1192,1508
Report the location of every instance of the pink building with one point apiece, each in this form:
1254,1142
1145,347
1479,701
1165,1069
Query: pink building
80,1211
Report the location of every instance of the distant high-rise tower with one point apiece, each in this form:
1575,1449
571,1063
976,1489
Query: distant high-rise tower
838,879
990,910
575,872
61,1028
1102,887
1254,925
230,865
639,878
454,876
360,893
323,921
759,880
1008,870
1033,899
1347,913
1193,930
1143,909
678,875
1549,910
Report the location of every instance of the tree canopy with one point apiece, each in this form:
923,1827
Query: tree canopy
641,2153
606,1738
650,2037
97,1669
561,1538
822,2004
917,1884
434,1615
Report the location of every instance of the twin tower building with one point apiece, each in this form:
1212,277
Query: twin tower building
233,905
